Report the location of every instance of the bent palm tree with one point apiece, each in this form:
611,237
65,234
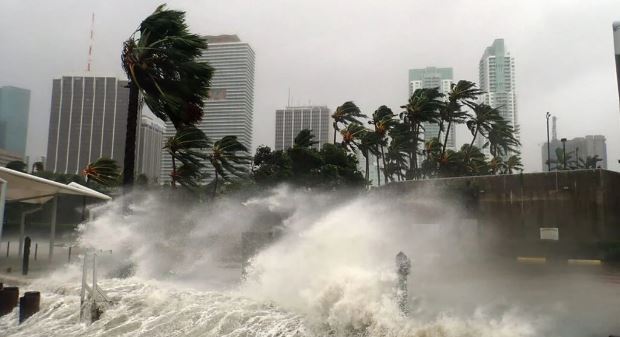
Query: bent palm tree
159,59
187,146
461,93
104,171
485,116
226,160
382,120
345,114
304,139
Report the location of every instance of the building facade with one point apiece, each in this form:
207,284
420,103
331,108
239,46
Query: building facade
497,80
432,77
616,29
291,120
14,110
148,150
88,121
230,107
578,150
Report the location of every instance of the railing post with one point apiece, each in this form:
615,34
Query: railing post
36,250
8,246
83,291
26,256
403,264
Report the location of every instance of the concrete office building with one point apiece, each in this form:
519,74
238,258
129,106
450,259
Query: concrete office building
88,121
616,29
432,77
14,109
497,80
229,109
577,150
291,120
148,150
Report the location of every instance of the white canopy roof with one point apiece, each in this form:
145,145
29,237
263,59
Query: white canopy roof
27,188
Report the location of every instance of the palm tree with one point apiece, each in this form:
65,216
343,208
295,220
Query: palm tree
104,171
304,139
188,146
37,166
501,138
461,93
423,107
497,165
160,60
226,160
485,116
591,162
17,165
345,114
382,120
513,163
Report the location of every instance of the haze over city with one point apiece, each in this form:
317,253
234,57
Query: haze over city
328,52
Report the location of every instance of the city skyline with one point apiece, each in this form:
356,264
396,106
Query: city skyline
293,58
14,112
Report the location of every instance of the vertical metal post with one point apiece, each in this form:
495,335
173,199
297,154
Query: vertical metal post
36,250
548,145
53,227
2,201
8,246
83,290
69,258
26,256
563,140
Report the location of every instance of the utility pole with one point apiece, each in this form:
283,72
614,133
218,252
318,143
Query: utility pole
563,140
548,145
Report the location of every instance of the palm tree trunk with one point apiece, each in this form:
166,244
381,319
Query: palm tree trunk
471,144
130,136
215,184
334,133
385,179
378,172
445,141
174,173
367,167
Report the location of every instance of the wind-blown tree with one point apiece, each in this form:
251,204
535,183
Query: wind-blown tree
229,158
187,146
463,93
17,165
352,135
367,145
481,122
423,107
513,163
304,139
591,162
37,166
345,114
397,156
160,60
104,171
501,138
382,120
497,165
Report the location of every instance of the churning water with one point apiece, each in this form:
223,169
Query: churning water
329,272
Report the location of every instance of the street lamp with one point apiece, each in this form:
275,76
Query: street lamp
548,144
563,140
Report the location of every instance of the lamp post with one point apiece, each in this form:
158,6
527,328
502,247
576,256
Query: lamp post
548,144
577,156
563,140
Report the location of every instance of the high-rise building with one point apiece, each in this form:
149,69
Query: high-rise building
578,150
497,80
229,109
14,109
148,150
616,28
291,120
432,77
88,121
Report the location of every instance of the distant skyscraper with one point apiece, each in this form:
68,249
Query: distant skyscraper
14,109
291,120
229,109
148,150
88,121
616,27
577,149
432,77
497,80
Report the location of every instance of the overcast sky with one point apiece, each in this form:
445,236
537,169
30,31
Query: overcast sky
330,51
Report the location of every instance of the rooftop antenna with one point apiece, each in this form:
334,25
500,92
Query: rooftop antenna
289,97
554,132
92,40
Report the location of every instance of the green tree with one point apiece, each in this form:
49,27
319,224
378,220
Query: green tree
229,158
187,146
513,163
104,171
481,122
423,107
345,114
463,93
160,60
382,120
37,166
17,165
304,139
